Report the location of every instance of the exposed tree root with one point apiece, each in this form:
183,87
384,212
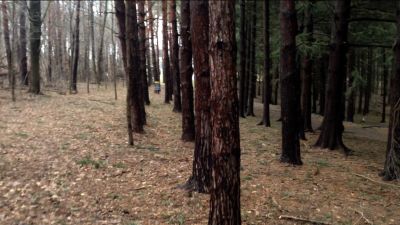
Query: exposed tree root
314,222
375,181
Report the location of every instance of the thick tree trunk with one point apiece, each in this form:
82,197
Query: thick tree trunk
133,67
166,64
22,44
120,14
332,126
243,63
290,85
74,75
35,34
351,107
175,58
391,169
307,71
100,56
142,45
225,194
199,27
266,121
188,132
384,86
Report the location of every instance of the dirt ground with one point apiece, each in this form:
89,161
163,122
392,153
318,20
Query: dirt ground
64,159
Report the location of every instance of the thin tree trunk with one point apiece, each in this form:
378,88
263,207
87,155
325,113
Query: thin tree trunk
35,34
156,70
92,39
100,63
6,33
332,125
384,87
252,73
186,74
290,85
307,71
175,58
351,107
166,63
200,180
368,87
266,121
114,70
225,194
243,63
74,75
22,35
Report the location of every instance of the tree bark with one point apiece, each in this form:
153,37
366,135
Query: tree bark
200,180
368,87
332,126
252,73
74,75
290,85
266,121
225,194
6,33
351,107
307,70
92,39
22,44
391,169
166,64
35,34
188,132
322,85
156,70
100,63
175,58
142,45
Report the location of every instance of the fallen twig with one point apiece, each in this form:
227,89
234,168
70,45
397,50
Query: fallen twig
363,217
288,217
375,181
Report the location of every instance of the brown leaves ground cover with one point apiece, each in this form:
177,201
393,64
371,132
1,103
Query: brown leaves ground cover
64,159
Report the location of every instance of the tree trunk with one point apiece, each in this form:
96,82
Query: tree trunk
351,107
225,194
384,87
92,39
10,66
175,58
142,45
252,73
22,35
200,180
114,69
156,70
35,33
332,125
186,74
243,63
166,64
266,121
290,85
322,85
120,14
391,169
74,75
368,87
100,63
133,67
307,71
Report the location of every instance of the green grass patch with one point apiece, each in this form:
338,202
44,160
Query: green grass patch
88,161
21,134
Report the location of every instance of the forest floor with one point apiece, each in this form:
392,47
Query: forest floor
64,159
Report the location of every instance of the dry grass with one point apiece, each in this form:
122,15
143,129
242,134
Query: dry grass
64,159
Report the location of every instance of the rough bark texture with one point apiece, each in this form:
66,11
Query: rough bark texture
266,121
332,126
74,74
391,169
22,44
142,46
351,107
290,85
307,71
175,58
199,26
166,64
120,14
225,194
242,67
35,33
186,69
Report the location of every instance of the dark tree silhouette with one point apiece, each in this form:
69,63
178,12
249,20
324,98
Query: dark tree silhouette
34,36
166,63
